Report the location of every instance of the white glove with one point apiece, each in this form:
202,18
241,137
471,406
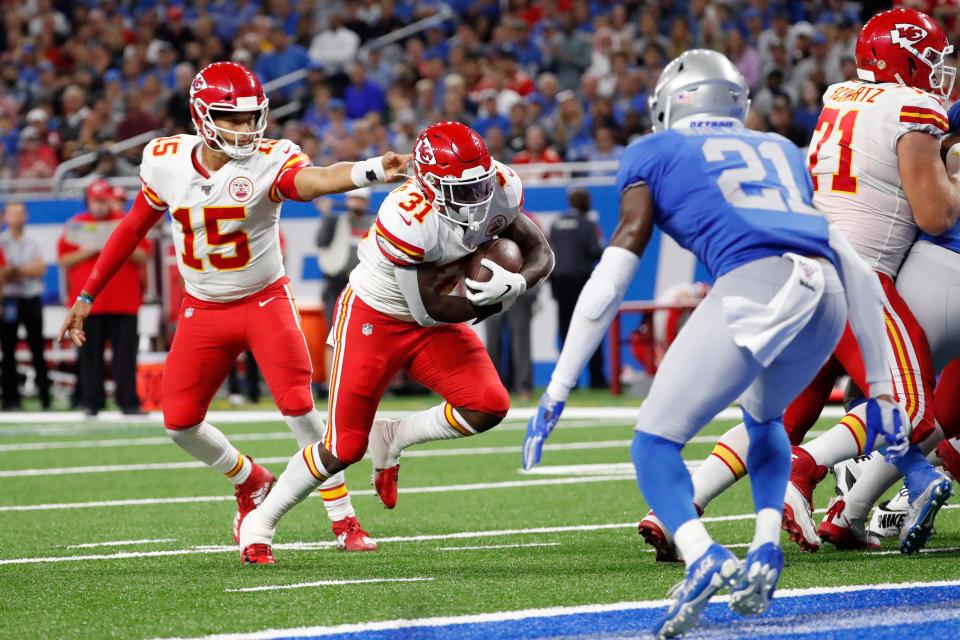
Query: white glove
953,160
503,288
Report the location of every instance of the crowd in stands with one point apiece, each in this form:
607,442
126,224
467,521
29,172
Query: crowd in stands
543,81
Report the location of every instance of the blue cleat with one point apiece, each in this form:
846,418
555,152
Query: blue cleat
539,428
918,525
713,571
753,590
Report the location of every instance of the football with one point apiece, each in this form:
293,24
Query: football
503,251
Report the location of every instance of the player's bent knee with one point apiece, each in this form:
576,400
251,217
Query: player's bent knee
296,402
480,421
179,419
335,464
494,400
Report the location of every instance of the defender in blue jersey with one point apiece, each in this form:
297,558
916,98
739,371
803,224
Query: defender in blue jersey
785,285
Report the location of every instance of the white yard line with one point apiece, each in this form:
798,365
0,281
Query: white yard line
550,612
324,583
120,543
110,418
483,547
479,486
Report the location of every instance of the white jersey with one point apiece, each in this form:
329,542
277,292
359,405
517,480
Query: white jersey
408,232
853,161
225,225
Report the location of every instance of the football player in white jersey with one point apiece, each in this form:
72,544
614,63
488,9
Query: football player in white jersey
878,174
223,188
397,314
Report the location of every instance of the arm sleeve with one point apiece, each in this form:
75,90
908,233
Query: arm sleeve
596,306
410,288
125,239
865,313
283,187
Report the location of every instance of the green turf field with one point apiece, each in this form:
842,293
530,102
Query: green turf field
481,536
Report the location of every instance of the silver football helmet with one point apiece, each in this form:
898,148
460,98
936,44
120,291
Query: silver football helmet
699,82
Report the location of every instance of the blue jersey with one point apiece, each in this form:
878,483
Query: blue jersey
948,240
729,195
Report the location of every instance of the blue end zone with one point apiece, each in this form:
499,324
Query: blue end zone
921,612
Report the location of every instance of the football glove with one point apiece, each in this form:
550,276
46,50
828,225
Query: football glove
504,287
889,420
539,427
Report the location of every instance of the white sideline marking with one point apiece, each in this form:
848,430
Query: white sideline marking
481,547
896,552
550,612
323,583
120,543
510,484
239,417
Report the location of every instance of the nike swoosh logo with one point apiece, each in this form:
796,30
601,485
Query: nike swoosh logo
266,302
505,292
405,219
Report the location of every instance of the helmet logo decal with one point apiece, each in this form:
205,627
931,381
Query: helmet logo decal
199,84
424,152
907,35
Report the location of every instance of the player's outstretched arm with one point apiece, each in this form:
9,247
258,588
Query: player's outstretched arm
428,307
934,196
313,182
596,306
120,246
865,313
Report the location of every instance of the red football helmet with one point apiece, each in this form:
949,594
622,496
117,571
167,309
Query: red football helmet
228,86
455,171
908,47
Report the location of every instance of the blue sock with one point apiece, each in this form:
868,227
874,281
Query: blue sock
916,470
768,462
663,479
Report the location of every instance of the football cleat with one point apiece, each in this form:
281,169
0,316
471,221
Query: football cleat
250,494
753,590
351,536
257,553
950,458
385,484
843,532
656,535
386,467
888,516
713,571
918,525
798,500
847,473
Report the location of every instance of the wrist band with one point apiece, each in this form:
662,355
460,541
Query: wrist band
85,297
368,172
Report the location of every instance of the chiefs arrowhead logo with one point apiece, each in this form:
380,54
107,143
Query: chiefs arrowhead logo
424,152
907,35
199,84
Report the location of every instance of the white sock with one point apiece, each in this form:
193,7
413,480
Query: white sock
841,442
767,527
692,540
308,429
207,444
723,467
442,422
304,473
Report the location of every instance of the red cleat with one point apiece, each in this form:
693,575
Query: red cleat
257,553
653,533
351,536
798,501
250,494
951,459
385,483
844,533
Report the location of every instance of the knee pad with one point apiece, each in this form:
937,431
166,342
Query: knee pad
296,402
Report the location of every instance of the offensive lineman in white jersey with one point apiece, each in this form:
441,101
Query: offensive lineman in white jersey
223,188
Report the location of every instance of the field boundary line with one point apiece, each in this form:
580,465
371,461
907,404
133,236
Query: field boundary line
323,583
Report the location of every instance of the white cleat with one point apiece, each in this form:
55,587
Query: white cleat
798,520
888,516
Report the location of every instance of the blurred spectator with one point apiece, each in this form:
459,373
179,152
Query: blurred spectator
283,58
36,159
606,149
113,317
567,52
536,149
336,46
781,121
817,62
572,131
807,112
744,57
22,290
575,240
338,237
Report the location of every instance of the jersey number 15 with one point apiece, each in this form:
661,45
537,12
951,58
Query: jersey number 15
212,216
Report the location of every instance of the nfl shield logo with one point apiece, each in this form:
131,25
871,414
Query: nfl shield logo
188,313
367,329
